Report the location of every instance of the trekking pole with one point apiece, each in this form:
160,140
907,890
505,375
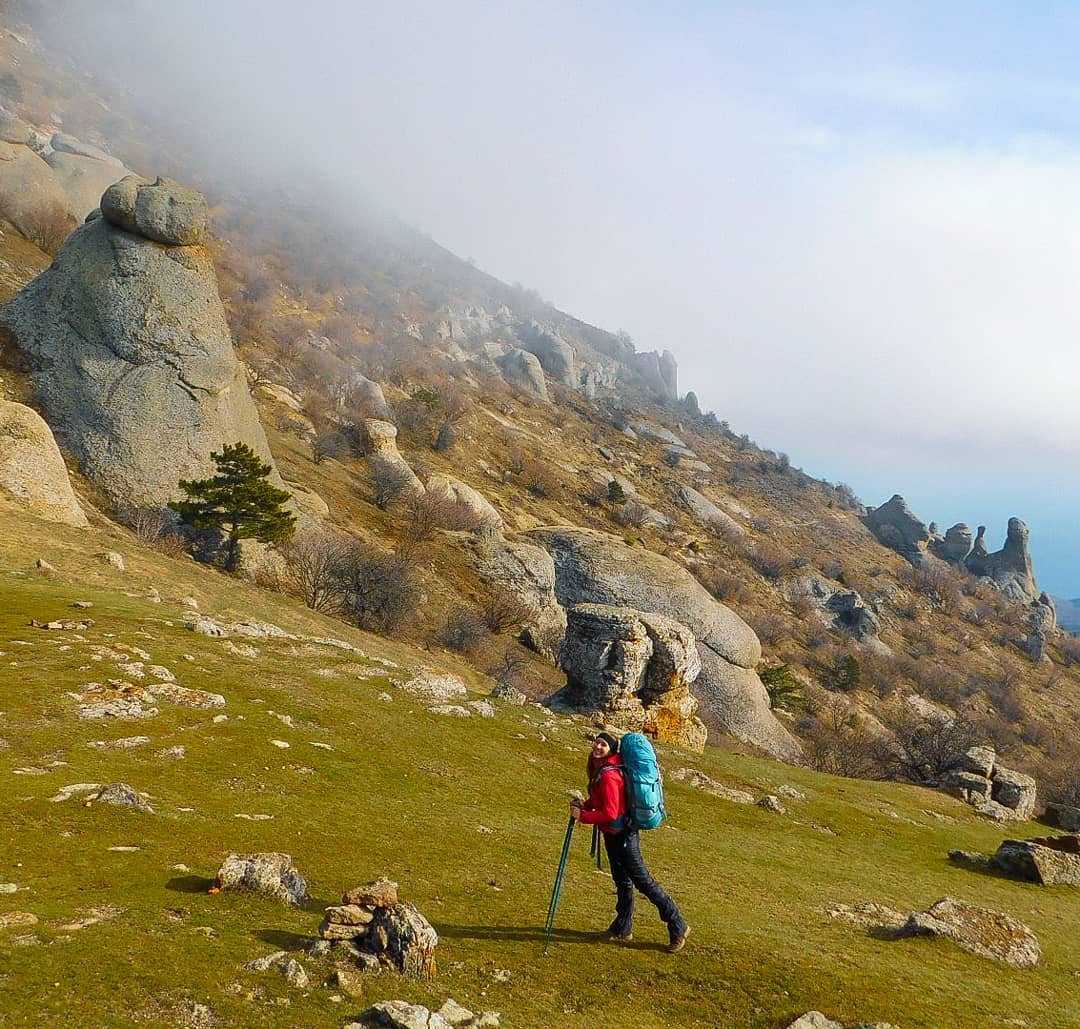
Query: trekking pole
595,851
560,875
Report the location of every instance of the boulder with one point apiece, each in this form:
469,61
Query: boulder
384,460
271,873
83,179
899,529
1014,790
594,567
706,512
473,502
989,934
366,396
955,546
121,795
660,373
522,369
648,430
853,614
634,669
816,1020
66,144
978,760
1064,816
163,210
32,472
402,937
555,355
526,573
28,188
129,350
1050,861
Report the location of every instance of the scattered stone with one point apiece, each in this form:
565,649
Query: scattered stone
280,744
8,887
700,781
172,752
511,694
82,603
346,978
482,708
816,1020
450,710
270,873
989,934
791,792
17,919
289,968
182,696
124,743
771,803
122,795
64,624
969,859
111,557
116,699
1049,861
44,565
431,686
125,850
75,789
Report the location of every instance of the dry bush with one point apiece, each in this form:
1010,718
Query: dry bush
634,514
327,444
426,514
155,528
928,747
509,668
834,743
538,477
727,588
48,227
380,591
769,626
1070,649
389,483
504,611
462,632
772,560
314,569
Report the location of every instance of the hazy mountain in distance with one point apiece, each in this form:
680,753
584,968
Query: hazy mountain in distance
1068,612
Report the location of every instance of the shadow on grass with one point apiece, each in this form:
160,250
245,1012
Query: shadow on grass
981,866
283,940
527,933
189,884
313,904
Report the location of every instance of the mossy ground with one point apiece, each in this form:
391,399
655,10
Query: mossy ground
468,816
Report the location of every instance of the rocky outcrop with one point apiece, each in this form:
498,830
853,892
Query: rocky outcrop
633,668
164,210
83,178
1049,861
523,370
706,512
29,189
1010,568
364,397
596,568
131,357
555,355
955,546
525,572
660,373
32,472
473,503
993,790
897,527
989,934
385,462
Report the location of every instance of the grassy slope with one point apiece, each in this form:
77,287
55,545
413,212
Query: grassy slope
404,793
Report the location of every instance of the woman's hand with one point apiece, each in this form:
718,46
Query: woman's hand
575,810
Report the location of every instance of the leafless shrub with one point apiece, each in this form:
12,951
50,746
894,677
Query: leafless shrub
727,588
1070,649
633,514
314,569
505,612
538,477
834,742
380,590
389,482
153,526
426,513
509,668
462,631
47,227
770,627
327,444
929,747
772,560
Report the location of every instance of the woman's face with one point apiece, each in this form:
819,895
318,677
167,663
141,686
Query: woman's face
600,749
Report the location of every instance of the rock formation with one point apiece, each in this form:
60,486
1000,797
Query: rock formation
272,873
32,471
384,460
523,369
555,355
635,669
706,512
992,789
596,568
989,934
896,526
1010,568
471,501
955,546
660,373
1049,861
129,351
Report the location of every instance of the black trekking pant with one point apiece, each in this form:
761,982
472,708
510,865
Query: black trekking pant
629,871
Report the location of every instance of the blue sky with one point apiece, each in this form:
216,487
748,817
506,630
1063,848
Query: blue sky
856,226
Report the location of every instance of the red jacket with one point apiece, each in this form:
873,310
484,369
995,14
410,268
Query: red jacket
607,795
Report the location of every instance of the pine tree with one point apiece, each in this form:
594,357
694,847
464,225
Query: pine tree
239,502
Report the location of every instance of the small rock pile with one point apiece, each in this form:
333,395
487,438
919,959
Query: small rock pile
374,924
272,873
992,789
398,1014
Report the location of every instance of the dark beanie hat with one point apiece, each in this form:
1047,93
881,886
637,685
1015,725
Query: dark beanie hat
610,740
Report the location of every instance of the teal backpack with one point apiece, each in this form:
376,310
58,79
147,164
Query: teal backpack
644,791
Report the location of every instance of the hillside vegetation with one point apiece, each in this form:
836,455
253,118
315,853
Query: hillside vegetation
467,815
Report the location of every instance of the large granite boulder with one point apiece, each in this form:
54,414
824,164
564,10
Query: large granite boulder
131,357
164,210
32,471
897,527
992,789
706,512
271,873
555,355
472,501
522,369
525,572
594,567
989,934
365,396
385,461
28,188
634,668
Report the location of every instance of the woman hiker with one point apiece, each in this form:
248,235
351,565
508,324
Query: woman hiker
606,807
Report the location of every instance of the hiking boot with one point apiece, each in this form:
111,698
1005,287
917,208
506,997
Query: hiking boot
678,940
621,937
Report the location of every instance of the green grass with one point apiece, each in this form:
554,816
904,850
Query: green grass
405,793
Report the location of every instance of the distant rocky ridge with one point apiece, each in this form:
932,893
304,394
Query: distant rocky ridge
1068,612
128,349
1009,569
